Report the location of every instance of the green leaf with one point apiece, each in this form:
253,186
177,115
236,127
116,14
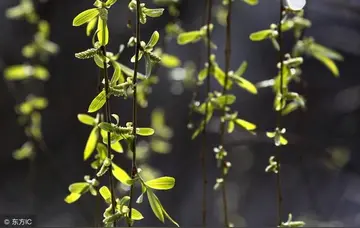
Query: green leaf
155,205
86,119
170,61
153,12
168,217
109,3
229,99
145,131
85,17
261,35
117,77
245,84
219,75
91,143
91,26
117,147
241,70
98,102
330,64
41,73
103,34
106,194
18,72
72,197
251,2
121,175
161,183
154,39
231,126
203,74
25,151
79,188
189,37
148,65
136,215
245,124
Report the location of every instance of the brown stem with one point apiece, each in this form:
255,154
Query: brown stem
133,145
279,113
222,124
107,120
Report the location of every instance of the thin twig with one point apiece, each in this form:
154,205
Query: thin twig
107,120
133,145
222,124
279,113
204,132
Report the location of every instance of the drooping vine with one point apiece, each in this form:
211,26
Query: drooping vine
107,135
219,101
25,76
285,102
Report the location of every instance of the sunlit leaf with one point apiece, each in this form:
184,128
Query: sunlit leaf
72,197
245,124
91,143
330,64
106,194
161,183
98,102
85,17
189,37
145,131
155,205
121,175
86,119
260,35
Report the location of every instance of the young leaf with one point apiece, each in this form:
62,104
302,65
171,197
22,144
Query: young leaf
18,72
245,124
79,188
145,131
121,175
153,12
231,126
106,194
241,70
168,217
85,17
155,205
154,39
170,61
251,2
86,119
91,143
136,215
161,183
245,84
98,102
261,35
91,26
72,197
330,64
103,34
189,37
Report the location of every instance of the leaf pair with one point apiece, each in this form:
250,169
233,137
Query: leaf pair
195,36
22,72
80,188
145,12
147,50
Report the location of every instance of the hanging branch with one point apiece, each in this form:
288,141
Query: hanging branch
279,113
224,93
134,114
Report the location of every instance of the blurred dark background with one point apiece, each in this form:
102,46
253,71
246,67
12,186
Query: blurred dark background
320,167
